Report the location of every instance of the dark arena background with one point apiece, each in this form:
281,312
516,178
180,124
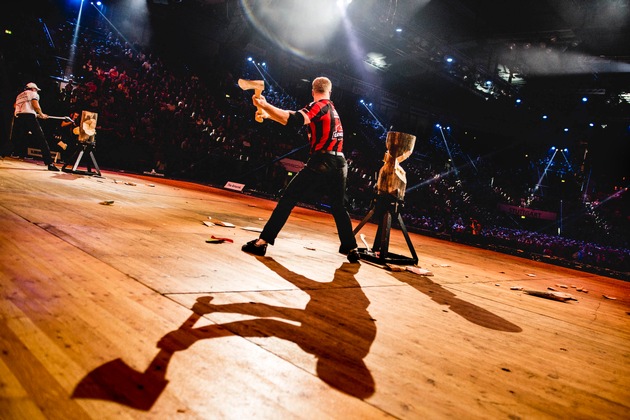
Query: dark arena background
128,261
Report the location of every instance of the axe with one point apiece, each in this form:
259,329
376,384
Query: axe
258,86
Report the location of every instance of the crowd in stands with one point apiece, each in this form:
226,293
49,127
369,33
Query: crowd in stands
170,121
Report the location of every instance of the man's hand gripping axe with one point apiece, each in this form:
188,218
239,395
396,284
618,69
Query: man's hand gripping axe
258,86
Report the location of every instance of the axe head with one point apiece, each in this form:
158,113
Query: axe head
257,85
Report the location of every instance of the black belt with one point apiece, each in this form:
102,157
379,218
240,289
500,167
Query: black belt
330,152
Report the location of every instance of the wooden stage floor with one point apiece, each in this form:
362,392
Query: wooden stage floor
123,310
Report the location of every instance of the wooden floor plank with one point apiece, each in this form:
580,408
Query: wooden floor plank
123,310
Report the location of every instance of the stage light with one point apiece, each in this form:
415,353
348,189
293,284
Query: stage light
591,124
399,30
449,59
250,59
566,130
518,101
544,117
584,99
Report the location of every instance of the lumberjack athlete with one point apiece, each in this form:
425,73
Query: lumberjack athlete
326,168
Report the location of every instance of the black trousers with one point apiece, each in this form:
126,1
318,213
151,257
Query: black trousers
324,174
23,125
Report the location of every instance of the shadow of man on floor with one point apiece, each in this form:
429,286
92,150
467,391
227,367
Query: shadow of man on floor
334,326
467,310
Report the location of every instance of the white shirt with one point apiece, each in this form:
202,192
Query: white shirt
23,104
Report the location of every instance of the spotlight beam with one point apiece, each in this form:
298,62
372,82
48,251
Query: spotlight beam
73,47
567,160
373,115
448,150
539,183
113,26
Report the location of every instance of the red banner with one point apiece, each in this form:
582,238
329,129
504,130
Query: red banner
524,211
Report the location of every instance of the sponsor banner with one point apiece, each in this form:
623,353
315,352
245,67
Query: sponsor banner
292,165
523,211
234,186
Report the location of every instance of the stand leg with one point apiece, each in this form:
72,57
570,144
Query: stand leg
66,164
76,163
98,170
381,242
364,221
407,238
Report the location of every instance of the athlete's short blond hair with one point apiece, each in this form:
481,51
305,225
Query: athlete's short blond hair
322,85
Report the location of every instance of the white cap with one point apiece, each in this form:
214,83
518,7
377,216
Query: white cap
32,85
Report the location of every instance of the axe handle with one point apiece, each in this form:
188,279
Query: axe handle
259,113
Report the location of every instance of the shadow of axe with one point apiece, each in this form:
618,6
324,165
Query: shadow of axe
258,86
118,382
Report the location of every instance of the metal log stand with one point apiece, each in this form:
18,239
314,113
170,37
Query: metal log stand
83,149
388,203
86,132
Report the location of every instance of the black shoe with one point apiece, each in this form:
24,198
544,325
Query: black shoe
354,256
53,168
252,248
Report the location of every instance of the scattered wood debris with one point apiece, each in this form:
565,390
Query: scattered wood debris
418,270
221,223
559,296
394,267
252,229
